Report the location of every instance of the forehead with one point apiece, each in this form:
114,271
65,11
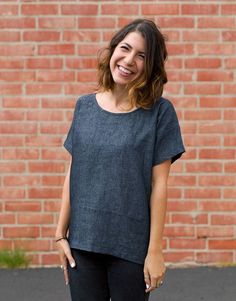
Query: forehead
135,40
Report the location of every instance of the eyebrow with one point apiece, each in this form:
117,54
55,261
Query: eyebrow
129,46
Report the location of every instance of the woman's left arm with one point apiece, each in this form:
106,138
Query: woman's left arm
154,266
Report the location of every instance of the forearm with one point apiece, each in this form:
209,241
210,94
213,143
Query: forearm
158,204
64,215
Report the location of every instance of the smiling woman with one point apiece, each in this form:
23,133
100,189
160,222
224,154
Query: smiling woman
122,141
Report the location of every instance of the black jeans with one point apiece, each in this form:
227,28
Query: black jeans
99,277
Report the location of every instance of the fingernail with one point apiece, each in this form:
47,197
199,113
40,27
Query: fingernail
147,286
72,264
67,283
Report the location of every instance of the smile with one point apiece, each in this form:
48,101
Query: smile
124,70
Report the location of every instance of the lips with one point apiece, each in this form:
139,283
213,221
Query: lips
124,70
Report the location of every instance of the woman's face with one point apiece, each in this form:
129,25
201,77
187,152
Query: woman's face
127,61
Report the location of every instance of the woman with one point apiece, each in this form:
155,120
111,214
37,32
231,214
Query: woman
122,142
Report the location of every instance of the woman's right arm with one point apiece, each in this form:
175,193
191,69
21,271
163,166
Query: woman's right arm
62,228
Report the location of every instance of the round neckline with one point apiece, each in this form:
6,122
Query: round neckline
112,113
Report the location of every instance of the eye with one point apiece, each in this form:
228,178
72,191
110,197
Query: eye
141,56
124,47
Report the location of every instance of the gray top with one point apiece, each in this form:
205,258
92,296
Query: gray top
110,182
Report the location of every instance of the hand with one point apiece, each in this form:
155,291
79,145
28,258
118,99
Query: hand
65,257
154,270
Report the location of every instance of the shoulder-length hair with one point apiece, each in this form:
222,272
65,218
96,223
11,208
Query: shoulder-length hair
148,88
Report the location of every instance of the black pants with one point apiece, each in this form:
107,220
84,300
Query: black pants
99,277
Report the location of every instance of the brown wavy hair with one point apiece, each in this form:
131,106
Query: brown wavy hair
148,88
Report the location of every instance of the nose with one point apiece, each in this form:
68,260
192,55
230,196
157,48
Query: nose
129,59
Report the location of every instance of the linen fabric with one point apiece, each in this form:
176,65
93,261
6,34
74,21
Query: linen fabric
110,181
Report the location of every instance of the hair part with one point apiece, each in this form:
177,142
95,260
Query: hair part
148,88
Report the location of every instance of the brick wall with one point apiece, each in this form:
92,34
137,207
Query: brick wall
48,57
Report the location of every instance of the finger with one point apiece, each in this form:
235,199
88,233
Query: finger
70,258
66,276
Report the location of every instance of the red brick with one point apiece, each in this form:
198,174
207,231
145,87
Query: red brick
120,9
204,167
217,102
195,36
48,231
229,89
41,36
11,141
86,76
42,141
216,22
15,167
16,50
228,9
82,63
55,76
9,36
17,23
22,128
229,35
10,89
182,181
225,219
230,63
58,103
179,257
43,88
214,257
57,22
20,102
44,115
230,167
20,154
200,63
19,232
37,9
198,193
215,49
96,22
23,206
217,206
178,231
181,218
229,193
201,140
50,259
182,76
181,206
184,102
222,244
46,167
32,245
79,9
216,127
202,88
35,218
7,218
13,63
56,49
187,243
217,154
9,9
160,9
44,193
230,115
205,232
21,180
11,115
199,9
44,63
82,36
176,22
229,141
9,193
202,115
214,75
52,206
53,180
217,180
180,49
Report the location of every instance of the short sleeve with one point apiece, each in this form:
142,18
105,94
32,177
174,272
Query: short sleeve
168,143
68,143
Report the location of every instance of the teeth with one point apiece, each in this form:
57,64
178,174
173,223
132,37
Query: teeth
124,70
